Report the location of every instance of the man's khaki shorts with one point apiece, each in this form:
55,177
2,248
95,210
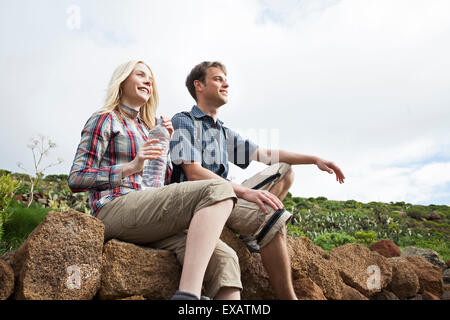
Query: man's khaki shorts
159,218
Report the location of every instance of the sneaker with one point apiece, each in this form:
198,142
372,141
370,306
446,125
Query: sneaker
251,244
183,295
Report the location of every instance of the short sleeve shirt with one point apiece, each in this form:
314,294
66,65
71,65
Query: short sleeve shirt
209,143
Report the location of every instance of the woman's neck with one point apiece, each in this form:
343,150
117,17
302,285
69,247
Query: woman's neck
134,105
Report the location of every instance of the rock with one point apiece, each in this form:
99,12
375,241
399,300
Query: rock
349,293
446,276
446,295
306,289
447,263
365,270
132,270
309,261
61,259
8,257
134,298
429,296
6,280
430,255
404,283
430,276
418,297
434,216
384,295
386,248
255,280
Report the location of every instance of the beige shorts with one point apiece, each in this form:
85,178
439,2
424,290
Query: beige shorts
247,218
159,218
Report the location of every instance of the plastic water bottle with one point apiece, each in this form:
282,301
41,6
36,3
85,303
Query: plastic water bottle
154,173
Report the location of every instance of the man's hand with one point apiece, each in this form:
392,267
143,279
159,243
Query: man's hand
331,168
260,197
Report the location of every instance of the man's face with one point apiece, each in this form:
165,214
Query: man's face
215,88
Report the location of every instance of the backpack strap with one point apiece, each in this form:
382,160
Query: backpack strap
198,127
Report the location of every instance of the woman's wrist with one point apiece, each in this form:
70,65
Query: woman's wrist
128,170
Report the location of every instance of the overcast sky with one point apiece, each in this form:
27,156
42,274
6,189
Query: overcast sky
360,82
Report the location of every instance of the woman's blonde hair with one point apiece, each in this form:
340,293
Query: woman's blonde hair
114,93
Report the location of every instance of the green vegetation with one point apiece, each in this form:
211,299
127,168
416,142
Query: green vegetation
17,220
330,224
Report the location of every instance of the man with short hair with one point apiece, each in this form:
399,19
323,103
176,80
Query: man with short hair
201,148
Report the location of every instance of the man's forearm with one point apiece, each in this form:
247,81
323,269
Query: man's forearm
269,157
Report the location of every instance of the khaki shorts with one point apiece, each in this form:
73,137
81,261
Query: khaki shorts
150,215
247,218
159,218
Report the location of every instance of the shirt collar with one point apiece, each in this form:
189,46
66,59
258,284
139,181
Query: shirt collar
132,113
198,113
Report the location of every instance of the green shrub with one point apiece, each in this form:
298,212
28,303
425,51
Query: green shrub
366,238
329,241
22,222
294,231
8,187
417,212
56,177
4,172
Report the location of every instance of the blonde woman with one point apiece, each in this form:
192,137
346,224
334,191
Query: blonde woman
108,163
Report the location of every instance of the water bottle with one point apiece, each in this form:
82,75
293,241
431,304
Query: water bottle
154,173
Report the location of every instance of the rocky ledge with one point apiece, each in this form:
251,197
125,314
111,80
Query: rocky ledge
65,258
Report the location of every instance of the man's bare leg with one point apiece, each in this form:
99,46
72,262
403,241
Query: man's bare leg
275,259
275,255
281,188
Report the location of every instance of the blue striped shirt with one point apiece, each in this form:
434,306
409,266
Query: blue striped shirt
213,147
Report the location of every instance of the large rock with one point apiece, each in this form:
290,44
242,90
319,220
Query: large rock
6,280
349,293
365,270
430,255
310,261
61,259
446,276
132,270
429,296
306,289
404,283
384,295
430,276
386,248
255,280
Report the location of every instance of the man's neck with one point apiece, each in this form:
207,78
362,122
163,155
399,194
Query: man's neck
210,110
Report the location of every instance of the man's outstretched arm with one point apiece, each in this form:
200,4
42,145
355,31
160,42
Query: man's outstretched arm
269,156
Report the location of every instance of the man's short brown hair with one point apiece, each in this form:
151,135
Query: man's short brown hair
199,73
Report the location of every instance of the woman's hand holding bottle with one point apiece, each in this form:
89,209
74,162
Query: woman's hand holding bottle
146,152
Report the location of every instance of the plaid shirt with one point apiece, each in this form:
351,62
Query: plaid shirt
108,141
213,147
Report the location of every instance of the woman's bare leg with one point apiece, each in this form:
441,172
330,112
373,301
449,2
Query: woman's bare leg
204,231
